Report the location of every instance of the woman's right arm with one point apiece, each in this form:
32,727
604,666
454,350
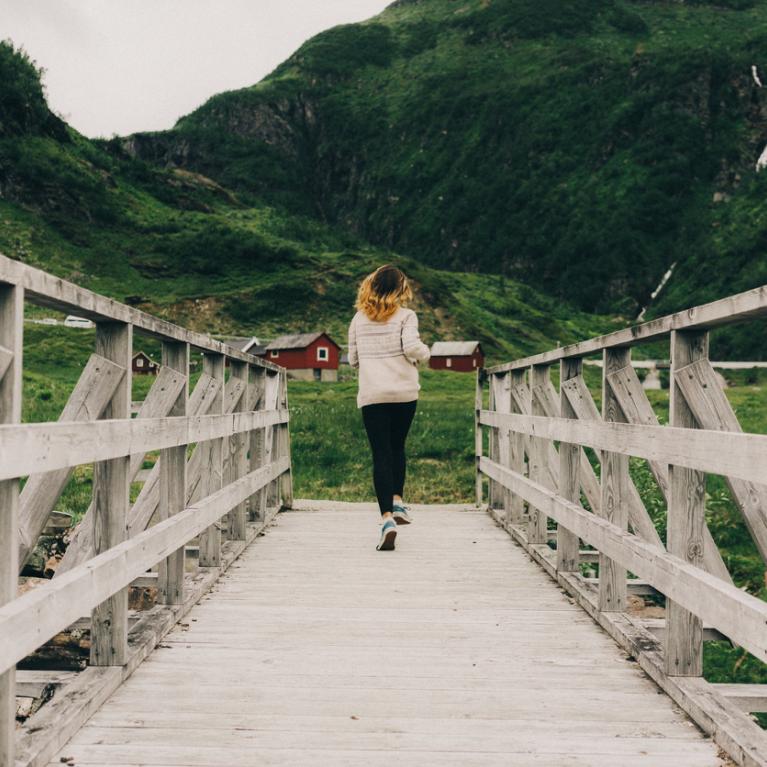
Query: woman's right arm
354,359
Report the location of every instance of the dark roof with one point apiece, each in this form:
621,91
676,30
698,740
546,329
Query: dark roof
453,348
297,341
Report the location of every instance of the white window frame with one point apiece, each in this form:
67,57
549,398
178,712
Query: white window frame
474,362
323,357
274,353
448,362
139,362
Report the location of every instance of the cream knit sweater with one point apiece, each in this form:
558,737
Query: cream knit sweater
386,354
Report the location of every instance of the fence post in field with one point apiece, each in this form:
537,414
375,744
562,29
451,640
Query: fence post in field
568,555
11,348
615,481
517,446
686,516
212,463
286,480
238,455
539,455
478,492
170,581
111,499
256,401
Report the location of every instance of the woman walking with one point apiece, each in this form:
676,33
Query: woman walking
384,344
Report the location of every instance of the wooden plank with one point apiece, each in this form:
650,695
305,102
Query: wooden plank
235,464
35,617
727,311
540,456
493,491
710,451
568,556
502,385
212,467
286,479
725,607
712,410
615,481
170,582
159,402
11,339
257,387
97,384
47,290
686,517
6,357
627,389
516,448
111,499
272,444
751,698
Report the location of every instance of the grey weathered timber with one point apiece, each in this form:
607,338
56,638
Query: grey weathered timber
257,393
170,582
478,438
540,457
494,491
111,498
502,401
568,553
11,340
516,447
272,442
286,479
96,386
712,410
296,677
212,466
686,517
615,491
236,452
727,311
159,402
627,389
48,290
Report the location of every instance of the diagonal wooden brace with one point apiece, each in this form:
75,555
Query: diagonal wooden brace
93,391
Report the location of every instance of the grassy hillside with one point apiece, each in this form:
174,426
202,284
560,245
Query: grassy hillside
180,245
581,147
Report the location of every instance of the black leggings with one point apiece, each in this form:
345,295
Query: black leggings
387,426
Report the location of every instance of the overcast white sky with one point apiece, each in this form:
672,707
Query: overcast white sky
120,66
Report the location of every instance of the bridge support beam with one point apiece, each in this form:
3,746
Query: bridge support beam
236,466
568,544
615,483
257,401
212,463
111,499
686,516
540,468
170,582
11,344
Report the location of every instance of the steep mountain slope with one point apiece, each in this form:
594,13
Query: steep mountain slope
178,244
576,146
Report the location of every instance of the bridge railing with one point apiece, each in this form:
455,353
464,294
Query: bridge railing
224,462
538,472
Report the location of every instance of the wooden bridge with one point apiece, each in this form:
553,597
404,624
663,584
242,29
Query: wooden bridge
286,639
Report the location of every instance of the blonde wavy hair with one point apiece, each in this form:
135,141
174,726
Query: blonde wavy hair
382,292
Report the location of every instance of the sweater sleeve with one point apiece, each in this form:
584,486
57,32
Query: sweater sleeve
415,350
354,359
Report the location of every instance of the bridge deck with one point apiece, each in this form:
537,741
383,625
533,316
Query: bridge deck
314,649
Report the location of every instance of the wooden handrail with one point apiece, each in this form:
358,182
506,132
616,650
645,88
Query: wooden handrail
726,311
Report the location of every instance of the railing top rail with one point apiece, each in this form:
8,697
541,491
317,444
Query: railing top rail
56,293
748,305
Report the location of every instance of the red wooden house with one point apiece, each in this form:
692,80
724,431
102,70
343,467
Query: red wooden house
462,356
307,356
143,364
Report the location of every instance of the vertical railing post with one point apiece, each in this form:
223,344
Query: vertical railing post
478,483
170,582
212,463
11,343
494,489
686,516
257,388
517,447
537,526
286,480
501,383
237,447
272,451
568,557
111,499
615,487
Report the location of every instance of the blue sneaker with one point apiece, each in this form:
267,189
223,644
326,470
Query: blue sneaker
401,515
388,534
